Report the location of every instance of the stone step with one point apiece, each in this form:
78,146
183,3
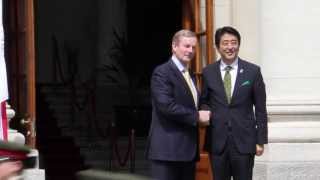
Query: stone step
60,88
97,154
288,161
63,108
64,99
95,151
33,174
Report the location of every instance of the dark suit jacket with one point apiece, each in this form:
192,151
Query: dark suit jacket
249,126
173,133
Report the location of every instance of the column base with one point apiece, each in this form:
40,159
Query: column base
288,161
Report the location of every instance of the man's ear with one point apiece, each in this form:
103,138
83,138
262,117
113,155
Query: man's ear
173,46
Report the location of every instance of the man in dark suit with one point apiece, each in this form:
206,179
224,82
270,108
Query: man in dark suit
234,92
173,137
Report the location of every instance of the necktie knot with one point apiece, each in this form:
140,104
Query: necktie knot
228,68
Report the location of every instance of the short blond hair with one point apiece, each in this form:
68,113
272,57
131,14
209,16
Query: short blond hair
182,33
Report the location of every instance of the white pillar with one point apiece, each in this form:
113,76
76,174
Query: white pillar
282,37
290,63
289,49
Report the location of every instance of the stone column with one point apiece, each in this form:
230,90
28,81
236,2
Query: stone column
282,37
290,61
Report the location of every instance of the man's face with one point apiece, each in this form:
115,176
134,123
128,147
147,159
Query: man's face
228,47
184,50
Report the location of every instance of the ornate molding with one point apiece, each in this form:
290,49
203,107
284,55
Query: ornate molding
294,107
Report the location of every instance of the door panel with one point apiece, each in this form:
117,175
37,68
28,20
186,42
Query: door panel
19,52
205,55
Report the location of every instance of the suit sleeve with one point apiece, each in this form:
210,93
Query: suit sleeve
164,101
260,109
204,98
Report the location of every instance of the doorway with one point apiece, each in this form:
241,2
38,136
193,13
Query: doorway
150,29
140,40
84,44
96,58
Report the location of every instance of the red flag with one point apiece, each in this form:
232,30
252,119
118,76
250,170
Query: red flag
4,122
3,85
3,98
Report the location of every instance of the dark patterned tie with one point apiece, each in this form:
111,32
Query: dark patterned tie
227,82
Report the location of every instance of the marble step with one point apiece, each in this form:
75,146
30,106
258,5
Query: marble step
289,161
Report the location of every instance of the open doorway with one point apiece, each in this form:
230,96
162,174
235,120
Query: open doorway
82,45
151,26
138,40
94,62
113,44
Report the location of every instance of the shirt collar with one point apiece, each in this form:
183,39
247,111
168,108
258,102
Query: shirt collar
180,66
234,65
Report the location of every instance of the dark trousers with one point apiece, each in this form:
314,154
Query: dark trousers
231,163
169,170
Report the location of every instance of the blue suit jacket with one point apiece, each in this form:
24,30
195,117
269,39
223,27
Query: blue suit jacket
173,133
246,112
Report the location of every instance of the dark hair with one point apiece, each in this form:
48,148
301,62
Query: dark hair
226,30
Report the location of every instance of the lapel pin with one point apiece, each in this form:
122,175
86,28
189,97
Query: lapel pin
241,70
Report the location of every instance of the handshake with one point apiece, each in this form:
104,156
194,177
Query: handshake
204,117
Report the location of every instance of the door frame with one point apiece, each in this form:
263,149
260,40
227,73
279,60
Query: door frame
205,54
20,59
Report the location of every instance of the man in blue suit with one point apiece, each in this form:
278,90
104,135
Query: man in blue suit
234,92
173,137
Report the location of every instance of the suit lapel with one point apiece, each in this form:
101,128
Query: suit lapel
239,79
180,77
219,79
177,73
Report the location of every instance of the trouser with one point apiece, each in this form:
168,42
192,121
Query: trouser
232,163
171,170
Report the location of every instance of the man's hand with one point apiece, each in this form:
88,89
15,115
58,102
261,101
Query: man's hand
9,169
204,117
259,149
